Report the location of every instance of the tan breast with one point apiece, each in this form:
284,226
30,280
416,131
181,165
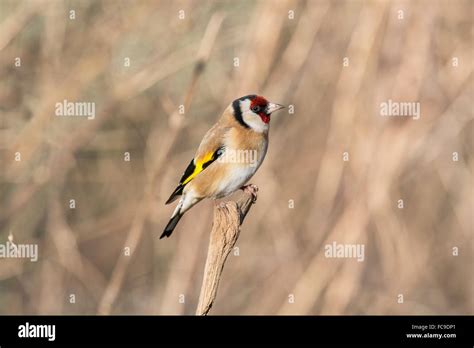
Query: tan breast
245,150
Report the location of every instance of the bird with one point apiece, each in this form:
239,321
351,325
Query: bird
230,153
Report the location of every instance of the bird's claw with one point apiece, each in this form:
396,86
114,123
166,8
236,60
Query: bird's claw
252,190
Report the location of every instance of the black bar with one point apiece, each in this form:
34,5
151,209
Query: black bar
288,330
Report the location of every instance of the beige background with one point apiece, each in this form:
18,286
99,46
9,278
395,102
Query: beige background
281,250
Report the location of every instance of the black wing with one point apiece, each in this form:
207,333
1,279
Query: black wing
192,170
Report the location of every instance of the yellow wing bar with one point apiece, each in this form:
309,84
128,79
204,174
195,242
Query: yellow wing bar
199,166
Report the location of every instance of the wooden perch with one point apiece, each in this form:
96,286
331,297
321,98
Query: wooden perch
228,217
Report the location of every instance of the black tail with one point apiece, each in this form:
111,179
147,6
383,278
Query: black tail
171,225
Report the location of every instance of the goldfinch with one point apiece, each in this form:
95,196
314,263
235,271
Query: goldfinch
229,155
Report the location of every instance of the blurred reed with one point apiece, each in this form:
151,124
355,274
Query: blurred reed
190,62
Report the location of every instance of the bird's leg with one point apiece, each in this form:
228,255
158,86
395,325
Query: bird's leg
251,189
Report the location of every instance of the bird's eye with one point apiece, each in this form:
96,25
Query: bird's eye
256,108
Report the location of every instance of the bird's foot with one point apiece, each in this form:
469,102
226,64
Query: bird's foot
251,189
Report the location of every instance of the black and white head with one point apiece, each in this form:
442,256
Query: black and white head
253,111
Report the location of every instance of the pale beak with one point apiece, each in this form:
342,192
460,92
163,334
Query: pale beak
272,107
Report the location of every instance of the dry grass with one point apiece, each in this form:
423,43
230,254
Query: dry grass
281,250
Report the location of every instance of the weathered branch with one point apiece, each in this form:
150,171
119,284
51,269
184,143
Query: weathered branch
228,217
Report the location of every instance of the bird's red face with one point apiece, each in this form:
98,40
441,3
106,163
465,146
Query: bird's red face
253,111
258,105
